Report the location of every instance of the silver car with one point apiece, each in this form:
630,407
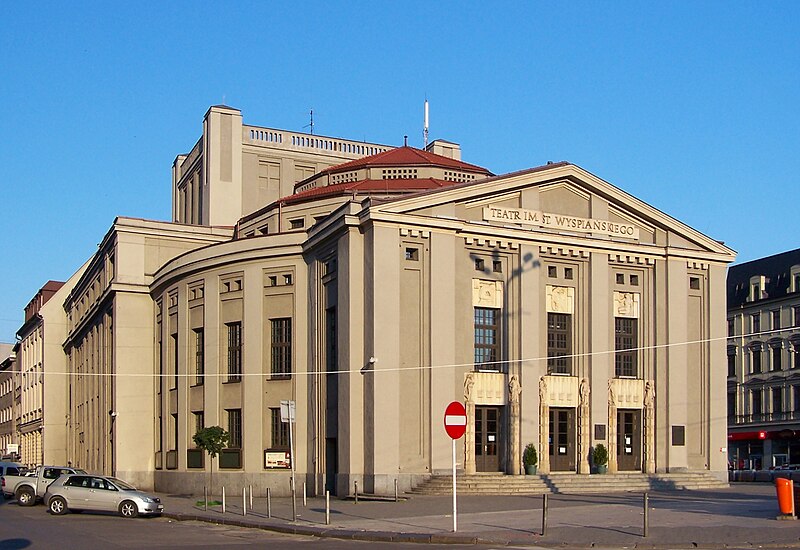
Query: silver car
99,493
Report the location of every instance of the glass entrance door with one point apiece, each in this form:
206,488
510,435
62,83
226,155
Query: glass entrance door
629,440
562,440
487,438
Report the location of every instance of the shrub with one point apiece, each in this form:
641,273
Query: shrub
600,455
529,457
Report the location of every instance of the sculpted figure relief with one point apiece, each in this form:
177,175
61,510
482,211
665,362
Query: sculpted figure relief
583,391
469,382
514,389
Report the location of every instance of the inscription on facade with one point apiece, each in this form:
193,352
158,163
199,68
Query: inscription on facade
559,221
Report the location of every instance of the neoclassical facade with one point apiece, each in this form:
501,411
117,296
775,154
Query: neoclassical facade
561,310
764,362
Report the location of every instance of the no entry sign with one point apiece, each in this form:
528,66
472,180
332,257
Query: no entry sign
455,420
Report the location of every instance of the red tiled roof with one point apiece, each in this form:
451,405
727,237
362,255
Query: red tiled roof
405,156
393,186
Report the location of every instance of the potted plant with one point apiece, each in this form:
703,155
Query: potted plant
529,459
600,458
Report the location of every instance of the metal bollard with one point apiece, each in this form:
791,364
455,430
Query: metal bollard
294,500
646,518
205,498
395,490
304,495
355,491
244,501
251,497
223,499
327,507
544,514
269,502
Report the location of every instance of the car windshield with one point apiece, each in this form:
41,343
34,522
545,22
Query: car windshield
121,484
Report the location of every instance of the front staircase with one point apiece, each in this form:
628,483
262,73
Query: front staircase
566,483
483,484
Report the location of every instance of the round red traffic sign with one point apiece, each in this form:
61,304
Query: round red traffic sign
455,420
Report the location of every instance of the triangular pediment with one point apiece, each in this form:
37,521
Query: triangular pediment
561,201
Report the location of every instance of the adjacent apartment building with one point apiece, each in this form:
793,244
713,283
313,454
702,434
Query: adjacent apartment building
372,285
764,362
8,441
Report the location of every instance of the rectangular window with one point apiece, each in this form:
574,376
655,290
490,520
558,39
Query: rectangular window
625,343
174,343
755,399
796,398
776,319
297,224
234,351
731,361
199,356
796,316
796,354
731,406
487,341
755,322
777,401
281,346
412,254
776,352
755,360
730,327
796,279
280,431
234,428
559,343
199,421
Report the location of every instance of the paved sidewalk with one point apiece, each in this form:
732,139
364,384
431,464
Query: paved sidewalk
742,516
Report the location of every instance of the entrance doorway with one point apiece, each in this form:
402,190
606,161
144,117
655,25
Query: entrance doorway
487,438
629,439
562,440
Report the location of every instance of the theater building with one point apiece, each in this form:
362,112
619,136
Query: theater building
561,310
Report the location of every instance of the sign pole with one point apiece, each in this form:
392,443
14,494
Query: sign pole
455,512
291,457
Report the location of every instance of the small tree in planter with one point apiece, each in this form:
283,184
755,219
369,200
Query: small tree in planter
530,459
212,440
600,458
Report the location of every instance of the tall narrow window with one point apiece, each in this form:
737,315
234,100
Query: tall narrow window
234,428
730,327
280,431
777,402
731,361
625,343
755,397
487,341
559,343
796,354
199,356
755,359
796,398
776,319
282,346
755,323
776,351
234,351
796,316
199,421
174,341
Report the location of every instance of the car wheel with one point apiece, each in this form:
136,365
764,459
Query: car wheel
25,497
57,506
128,509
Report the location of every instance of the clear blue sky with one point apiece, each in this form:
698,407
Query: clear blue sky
690,106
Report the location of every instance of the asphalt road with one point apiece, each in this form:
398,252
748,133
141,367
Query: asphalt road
32,527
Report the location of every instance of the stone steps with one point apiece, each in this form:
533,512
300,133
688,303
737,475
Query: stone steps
566,483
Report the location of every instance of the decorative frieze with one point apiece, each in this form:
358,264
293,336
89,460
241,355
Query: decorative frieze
561,391
626,304
492,243
487,293
560,299
414,233
631,259
564,251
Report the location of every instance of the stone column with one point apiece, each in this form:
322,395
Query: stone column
514,389
469,434
612,429
584,436
649,427
544,428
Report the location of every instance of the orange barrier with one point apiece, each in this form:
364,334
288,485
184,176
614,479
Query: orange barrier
785,489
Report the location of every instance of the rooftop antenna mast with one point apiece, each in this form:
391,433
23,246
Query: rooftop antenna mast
425,127
312,122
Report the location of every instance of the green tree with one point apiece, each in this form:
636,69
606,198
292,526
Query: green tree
212,440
